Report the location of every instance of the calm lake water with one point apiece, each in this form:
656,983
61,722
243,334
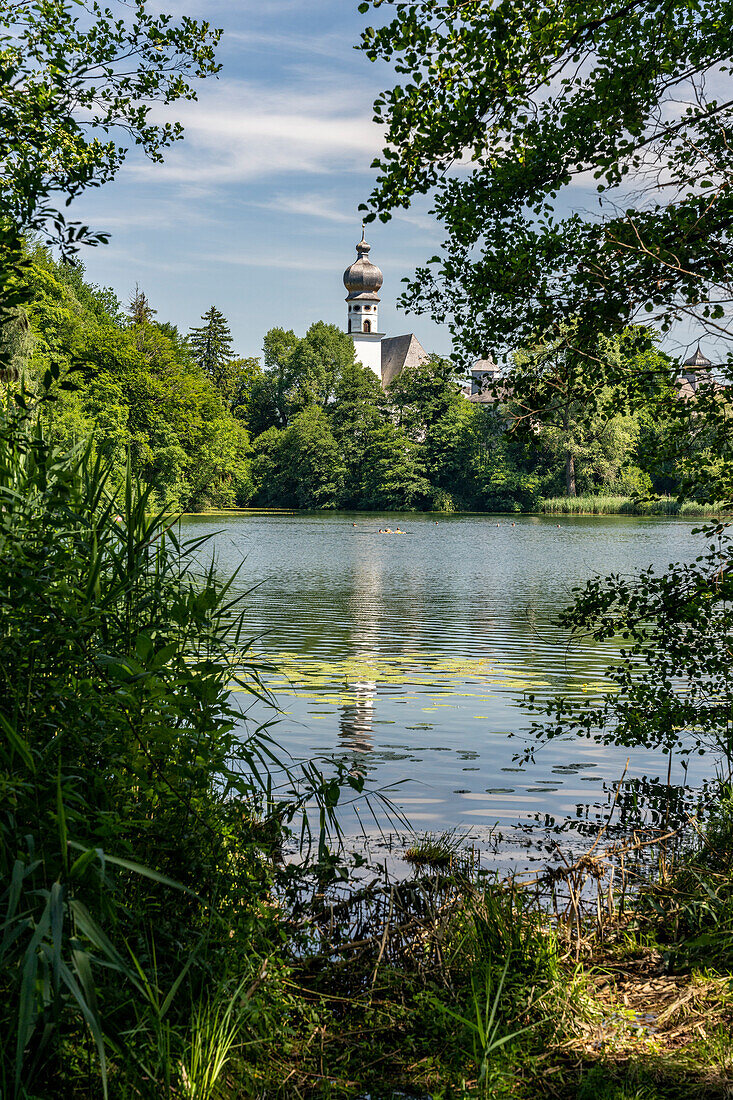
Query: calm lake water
410,656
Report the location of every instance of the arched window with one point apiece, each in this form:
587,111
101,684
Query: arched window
349,324
367,326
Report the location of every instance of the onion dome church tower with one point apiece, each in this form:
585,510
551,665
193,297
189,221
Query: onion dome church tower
362,280
697,369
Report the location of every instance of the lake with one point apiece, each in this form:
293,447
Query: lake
410,656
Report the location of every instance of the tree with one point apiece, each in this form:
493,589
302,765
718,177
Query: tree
139,308
540,100
423,394
211,347
79,83
673,681
318,363
598,453
359,408
537,98
72,75
552,392
136,391
299,466
141,315
392,475
270,399
534,99
246,375
299,373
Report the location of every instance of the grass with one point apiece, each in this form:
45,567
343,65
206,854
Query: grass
594,505
457,985
439,851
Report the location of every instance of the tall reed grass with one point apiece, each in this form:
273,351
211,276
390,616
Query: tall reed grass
594,505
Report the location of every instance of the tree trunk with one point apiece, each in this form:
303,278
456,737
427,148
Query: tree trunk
570,473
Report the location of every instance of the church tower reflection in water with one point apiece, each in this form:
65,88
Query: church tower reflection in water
356,718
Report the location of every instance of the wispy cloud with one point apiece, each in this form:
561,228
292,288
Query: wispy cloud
240,131
265,259
326,44
311,204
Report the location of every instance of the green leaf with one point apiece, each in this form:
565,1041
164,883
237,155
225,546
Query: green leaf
91,1018
17,743
148,872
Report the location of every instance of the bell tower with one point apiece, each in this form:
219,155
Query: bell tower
362,280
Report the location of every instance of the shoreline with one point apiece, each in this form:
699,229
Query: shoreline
553,506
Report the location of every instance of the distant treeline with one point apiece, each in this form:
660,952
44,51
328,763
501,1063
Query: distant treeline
304,426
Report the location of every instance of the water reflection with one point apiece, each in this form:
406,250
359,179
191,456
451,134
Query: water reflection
414,656
356,719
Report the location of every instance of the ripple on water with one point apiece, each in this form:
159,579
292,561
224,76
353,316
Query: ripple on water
440,638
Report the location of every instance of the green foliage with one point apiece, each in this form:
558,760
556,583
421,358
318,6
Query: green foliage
673,685
211,348
600,1084
692,910
301,464
422,395
422,444
138,392
532,98
139,829
79,82
122,762
215,1028
596,505
298,373
497,87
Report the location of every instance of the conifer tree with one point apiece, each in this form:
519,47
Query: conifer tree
139,308
141,315
211,346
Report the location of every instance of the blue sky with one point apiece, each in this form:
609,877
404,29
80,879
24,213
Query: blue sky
255,211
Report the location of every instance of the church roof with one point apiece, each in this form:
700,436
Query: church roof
363,279
399,352
697,360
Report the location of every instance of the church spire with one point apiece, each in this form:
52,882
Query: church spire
363,280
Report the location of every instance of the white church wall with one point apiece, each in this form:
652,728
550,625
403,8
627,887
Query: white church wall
368,351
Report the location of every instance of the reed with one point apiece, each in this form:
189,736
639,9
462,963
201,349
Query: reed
596,505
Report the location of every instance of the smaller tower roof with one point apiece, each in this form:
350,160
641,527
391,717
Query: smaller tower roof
697,360
363,279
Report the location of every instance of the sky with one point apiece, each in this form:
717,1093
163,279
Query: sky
255,211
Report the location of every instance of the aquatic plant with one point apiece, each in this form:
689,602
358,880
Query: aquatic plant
601,505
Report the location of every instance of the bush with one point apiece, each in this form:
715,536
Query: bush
129,815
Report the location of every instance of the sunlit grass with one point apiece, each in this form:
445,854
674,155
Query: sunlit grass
435,850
